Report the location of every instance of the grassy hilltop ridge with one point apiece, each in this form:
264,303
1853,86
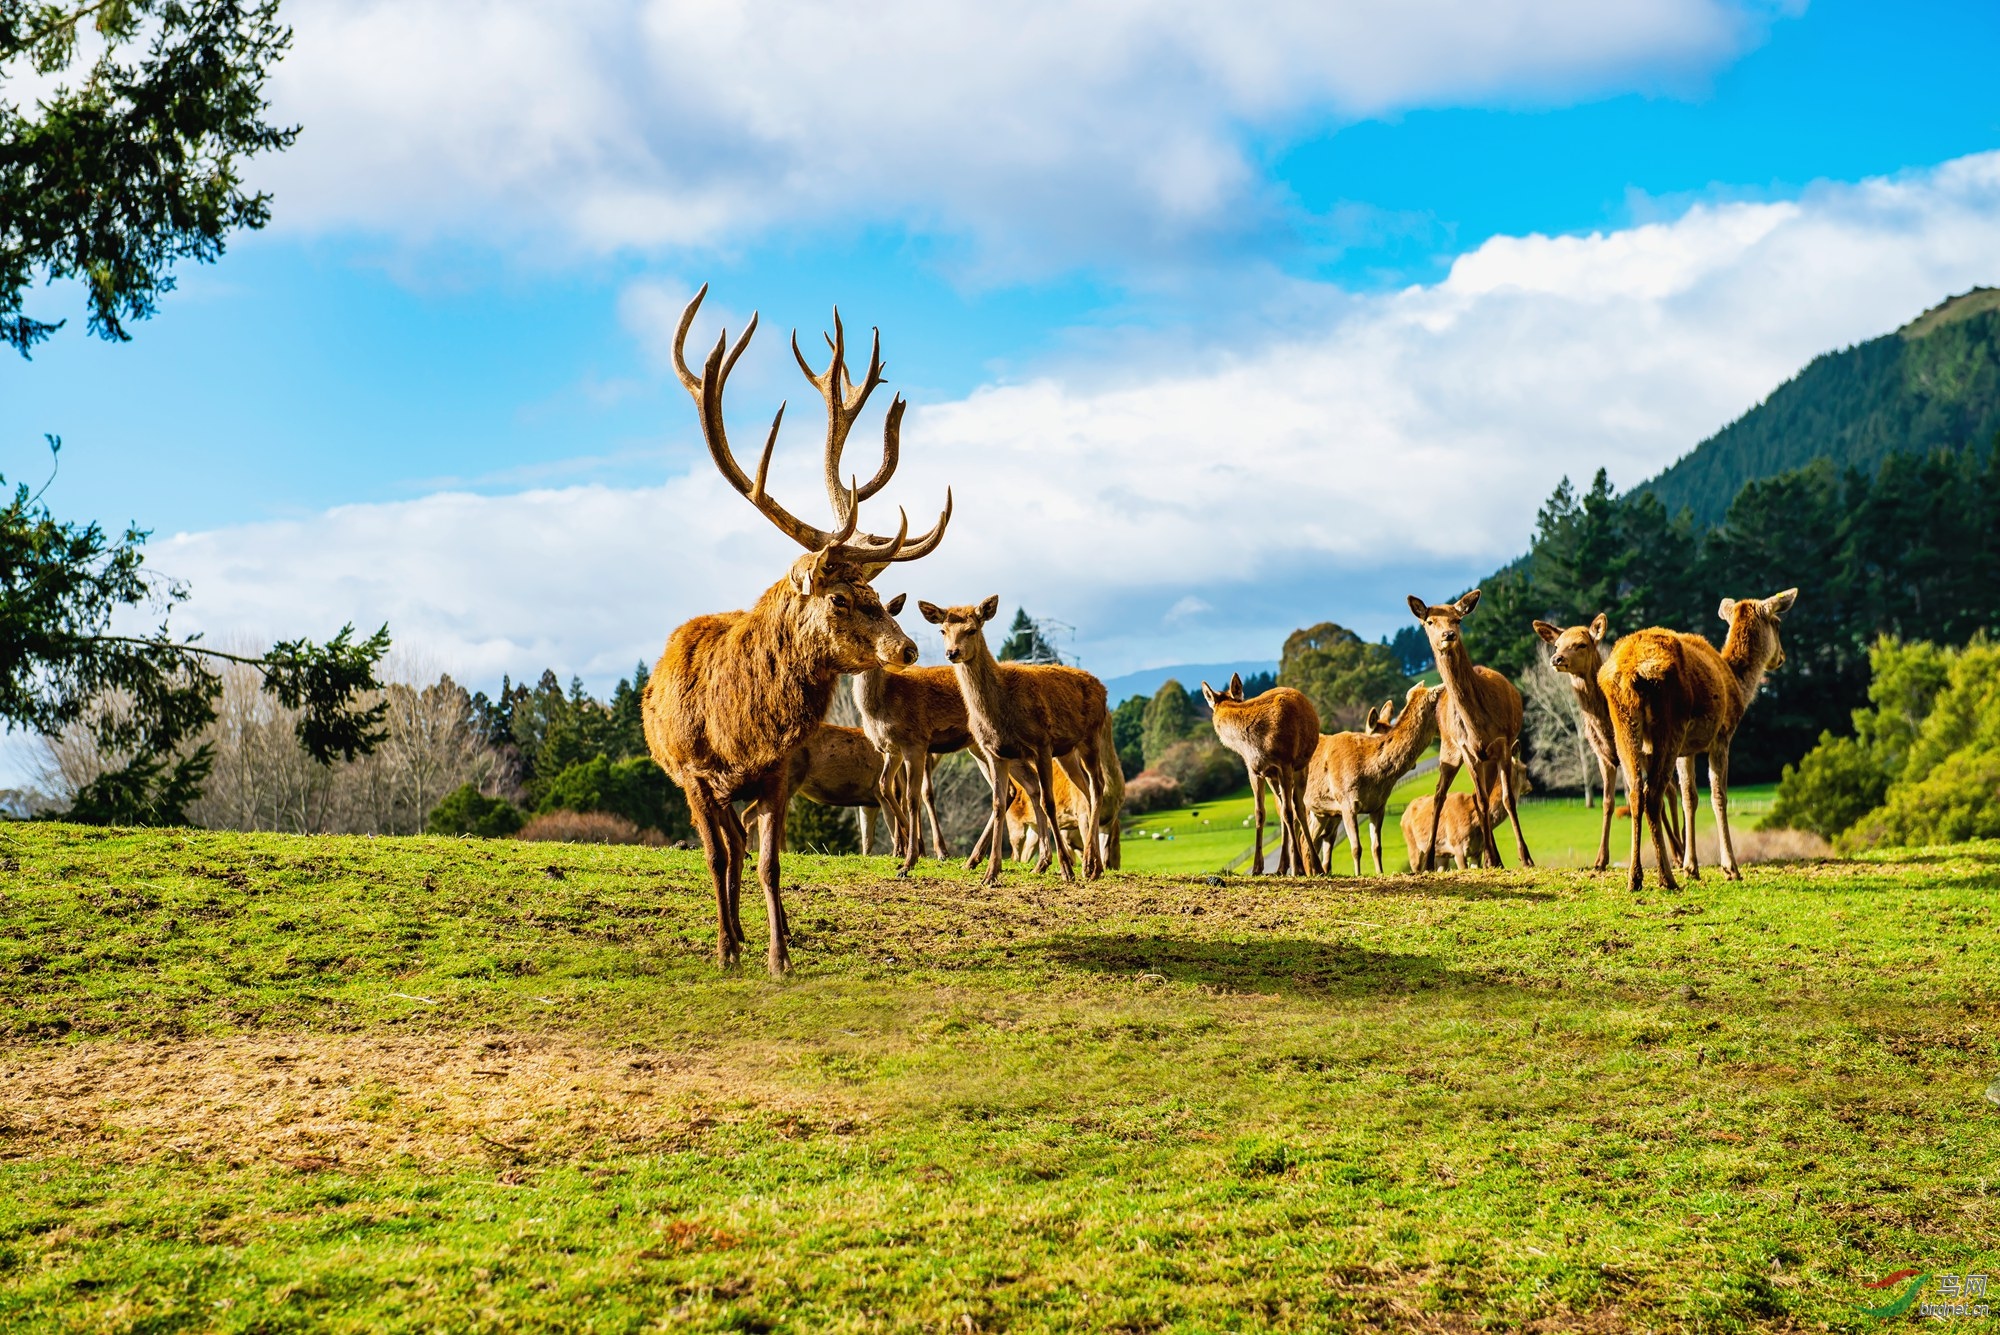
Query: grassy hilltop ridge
270,1083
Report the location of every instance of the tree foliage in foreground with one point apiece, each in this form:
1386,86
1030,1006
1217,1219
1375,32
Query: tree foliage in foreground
147,698
133,161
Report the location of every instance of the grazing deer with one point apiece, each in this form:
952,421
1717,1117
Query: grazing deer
1070,814
1672,695
1029,712
1275,734
911,715
1352,773
1479,724
1578,654
736,693
1457,827
837,767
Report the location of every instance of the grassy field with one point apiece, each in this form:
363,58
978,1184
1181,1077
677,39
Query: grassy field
259,1083
1562,832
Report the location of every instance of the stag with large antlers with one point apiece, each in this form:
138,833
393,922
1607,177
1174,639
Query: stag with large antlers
736,693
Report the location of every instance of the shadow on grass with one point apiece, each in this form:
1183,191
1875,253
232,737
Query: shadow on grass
1274,964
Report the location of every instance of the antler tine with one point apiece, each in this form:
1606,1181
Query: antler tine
877,561
688,382
853,512
709,396
927,544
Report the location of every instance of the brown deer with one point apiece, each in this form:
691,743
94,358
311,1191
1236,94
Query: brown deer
1352,774
736,693
837,767
1275,734
911,715
1031,712
1069,803
1672,695
1578,653
1457,828
1479,724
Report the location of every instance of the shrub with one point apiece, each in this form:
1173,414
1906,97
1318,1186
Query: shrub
1957,800
465,810
1834,785
1150,790
635,789
1203,769
587,827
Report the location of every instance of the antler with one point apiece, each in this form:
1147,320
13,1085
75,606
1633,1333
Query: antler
844,403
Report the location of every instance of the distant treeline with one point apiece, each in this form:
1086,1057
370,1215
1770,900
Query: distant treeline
1910,551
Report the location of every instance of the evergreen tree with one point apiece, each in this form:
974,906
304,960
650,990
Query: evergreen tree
1341,673
1025,642
1128,733
1168,718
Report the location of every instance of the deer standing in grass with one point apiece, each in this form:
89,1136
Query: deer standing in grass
838,767
1352,774
911,715
1671,695
1458,827
1070,802
1479,724
736,693
1028,712
1275,734
1578,653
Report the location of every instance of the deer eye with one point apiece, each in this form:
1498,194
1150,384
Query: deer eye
842,601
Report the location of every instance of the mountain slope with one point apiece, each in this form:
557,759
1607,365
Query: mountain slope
1933,383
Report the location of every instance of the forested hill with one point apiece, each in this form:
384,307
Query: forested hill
1935,382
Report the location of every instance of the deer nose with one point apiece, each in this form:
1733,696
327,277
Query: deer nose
907,653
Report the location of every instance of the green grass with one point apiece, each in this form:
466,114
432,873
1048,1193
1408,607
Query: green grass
1561,831
259,1083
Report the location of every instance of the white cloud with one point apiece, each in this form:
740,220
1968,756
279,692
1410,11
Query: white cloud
1045,127
1408,439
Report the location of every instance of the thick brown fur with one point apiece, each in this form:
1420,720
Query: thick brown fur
911,714
1275,733
1578,654
1479,723
837,767
736,693
1457,828
1037,713
1352,773
1671,695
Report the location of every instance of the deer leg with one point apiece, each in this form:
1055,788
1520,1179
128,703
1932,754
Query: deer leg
1659,767
979,846
1257,845
1512,800
1351,823
719,850
1631,759
912,769
1375,819
1447,771
1310,862
1047,822
771,842
939,847
996,824
1607,774
1086,779
1718,796
1690,801
864,817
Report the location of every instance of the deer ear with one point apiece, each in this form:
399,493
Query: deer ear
1467,602
1780,603
1387,711
1599,626
1236,685
931,612
1208,694
807,570
894,605
1547,632
1420,607
1728,610
989,607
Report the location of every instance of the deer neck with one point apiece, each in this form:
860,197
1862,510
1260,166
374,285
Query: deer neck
1404,742
1739,654
979,683
1455,666
795,673
1590,696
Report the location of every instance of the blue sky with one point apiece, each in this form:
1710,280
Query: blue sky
1215,332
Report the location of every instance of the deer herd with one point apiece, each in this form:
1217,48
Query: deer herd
735,710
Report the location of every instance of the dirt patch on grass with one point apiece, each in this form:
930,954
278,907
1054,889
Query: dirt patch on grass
316,1102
